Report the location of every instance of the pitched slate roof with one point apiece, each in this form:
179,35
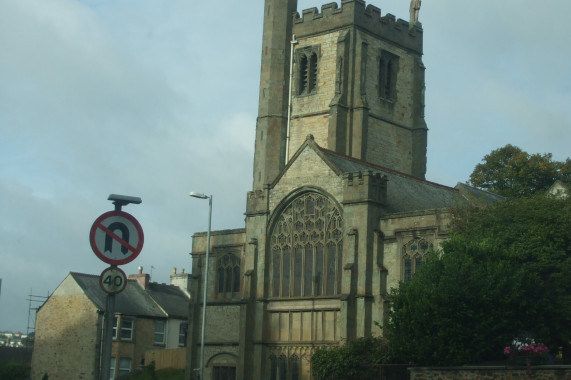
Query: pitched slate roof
405,193
157,301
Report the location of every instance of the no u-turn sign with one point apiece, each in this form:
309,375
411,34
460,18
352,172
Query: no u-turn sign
116,237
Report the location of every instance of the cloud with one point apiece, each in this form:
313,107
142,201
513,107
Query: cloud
155,99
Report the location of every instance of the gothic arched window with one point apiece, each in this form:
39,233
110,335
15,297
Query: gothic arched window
414,255
294,364
307,60
228,269
273,368
306,248
388,69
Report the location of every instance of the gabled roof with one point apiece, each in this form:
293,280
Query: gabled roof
405,193
559,189
157,301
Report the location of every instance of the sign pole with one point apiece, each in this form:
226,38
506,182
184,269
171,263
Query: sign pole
115,249
108,337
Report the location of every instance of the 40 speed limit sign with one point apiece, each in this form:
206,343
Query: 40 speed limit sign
113,280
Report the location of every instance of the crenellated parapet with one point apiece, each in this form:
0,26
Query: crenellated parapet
357,13
257,202
364,186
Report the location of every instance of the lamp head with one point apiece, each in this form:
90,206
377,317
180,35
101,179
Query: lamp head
198,195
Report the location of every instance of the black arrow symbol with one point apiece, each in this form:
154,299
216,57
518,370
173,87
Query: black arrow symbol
124,236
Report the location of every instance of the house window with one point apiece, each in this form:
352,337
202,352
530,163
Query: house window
307,61
307,248
224,373
160,327
388,69
112,369
414,255
228,274
182,330
124,366
115,328
126,328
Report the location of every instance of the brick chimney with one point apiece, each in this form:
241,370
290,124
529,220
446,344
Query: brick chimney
143,278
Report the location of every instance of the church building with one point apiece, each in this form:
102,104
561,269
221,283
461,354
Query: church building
339,212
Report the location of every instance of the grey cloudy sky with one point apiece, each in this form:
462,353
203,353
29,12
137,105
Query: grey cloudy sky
156,98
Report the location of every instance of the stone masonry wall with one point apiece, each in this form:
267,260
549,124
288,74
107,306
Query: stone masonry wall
308,170
492,373
67,339
389,131
399,230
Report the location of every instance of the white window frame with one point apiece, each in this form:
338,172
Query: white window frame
182,334
123,368
115,321
160,333
112,369
127,329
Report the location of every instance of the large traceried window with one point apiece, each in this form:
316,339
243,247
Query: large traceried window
307,248
284,368
414,255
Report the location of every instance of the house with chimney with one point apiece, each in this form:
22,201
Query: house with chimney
149,317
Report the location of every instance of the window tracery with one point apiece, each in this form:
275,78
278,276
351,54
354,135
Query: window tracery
414,255
228,268
307,61
307,248
284,368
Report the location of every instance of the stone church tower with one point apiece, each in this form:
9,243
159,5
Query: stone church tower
339,212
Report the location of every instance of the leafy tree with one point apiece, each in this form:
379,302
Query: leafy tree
356,359
511,172
503,273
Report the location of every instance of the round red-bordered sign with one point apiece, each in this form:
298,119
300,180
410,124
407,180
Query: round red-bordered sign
116,237
113,280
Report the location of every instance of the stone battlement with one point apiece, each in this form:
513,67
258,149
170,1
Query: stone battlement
364,186
363,16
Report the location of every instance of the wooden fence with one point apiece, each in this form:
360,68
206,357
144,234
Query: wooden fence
167,358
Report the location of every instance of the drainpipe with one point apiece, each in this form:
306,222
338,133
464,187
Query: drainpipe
292,44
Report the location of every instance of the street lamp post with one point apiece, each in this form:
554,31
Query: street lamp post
209,197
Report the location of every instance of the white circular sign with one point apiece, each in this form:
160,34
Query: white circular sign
113,280
116,237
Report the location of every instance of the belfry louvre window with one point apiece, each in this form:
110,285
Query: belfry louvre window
307,60
413,256
388,69
228,274
307,248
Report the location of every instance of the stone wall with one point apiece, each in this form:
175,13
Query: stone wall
67,343
491,373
